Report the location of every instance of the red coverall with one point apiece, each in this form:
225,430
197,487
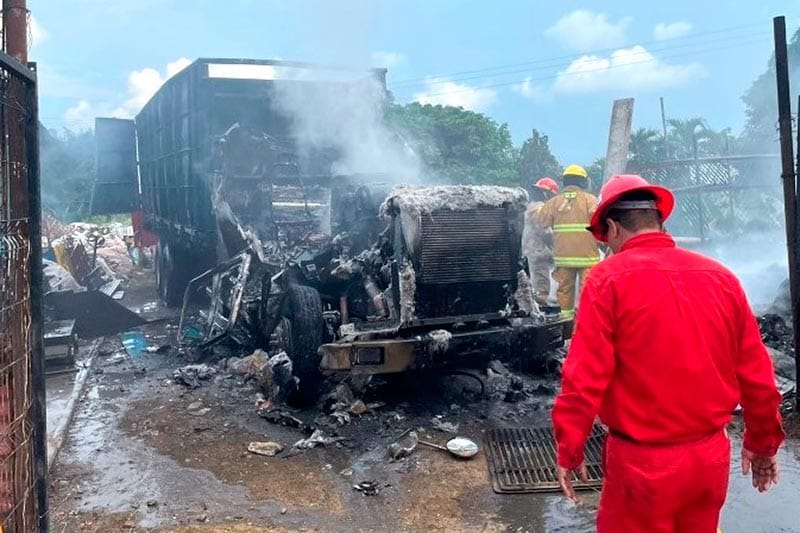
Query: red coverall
665,347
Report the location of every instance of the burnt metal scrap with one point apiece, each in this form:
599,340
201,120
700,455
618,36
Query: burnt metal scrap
346,275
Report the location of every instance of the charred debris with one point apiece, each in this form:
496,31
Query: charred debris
350,275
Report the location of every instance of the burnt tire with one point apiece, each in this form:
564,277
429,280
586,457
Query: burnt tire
303,310
171,277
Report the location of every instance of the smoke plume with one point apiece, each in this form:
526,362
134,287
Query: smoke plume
347,117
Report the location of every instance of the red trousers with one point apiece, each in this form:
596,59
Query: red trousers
664,489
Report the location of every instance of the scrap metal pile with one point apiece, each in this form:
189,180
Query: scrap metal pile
85,267
776,332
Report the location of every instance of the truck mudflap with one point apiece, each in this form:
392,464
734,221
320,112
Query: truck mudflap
442,348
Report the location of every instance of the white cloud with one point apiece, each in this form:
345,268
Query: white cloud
673,30
585,30
36,32
177,66
629,69
81,114
387,59
142,85
528,89
449,93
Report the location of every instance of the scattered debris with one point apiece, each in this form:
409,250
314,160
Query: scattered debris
342,418
459,446
339,398
444,427
439,340
135,343
268,448
515,392
545,390
524,294
191,375
273,375
282,417
408,291
58,278
404,447
318,438
367,488
358,408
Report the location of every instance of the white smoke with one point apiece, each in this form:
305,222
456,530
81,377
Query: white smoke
347,117
759,260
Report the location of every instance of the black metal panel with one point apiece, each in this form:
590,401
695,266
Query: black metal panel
523,460
466,246
116,188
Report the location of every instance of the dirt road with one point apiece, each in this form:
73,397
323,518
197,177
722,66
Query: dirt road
147,454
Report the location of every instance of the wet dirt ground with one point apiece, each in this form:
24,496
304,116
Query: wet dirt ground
147,454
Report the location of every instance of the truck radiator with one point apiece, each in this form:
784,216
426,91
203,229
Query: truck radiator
466,246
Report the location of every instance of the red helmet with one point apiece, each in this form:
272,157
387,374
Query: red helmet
620,184
548,184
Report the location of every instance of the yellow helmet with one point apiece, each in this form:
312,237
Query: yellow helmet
575,170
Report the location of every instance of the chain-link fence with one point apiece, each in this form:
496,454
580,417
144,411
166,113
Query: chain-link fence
720,195
22,426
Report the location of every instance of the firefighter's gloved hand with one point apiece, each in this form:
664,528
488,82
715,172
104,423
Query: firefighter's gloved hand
565,480
765,469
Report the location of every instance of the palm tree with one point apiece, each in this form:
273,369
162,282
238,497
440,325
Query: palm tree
686,136
646,147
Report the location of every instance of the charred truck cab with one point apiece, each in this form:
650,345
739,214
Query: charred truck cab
450,285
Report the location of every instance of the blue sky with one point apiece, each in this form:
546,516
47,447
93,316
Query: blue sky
555,65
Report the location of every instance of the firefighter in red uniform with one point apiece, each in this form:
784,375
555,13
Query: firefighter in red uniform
665,347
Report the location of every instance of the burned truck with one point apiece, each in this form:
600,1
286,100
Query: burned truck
267,247
443,285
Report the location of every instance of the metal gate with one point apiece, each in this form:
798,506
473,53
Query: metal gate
716,192
23,496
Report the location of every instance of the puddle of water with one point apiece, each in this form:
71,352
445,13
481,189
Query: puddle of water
58,388
126,473
562,516
770,512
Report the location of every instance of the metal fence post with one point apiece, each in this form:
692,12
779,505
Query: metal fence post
787,172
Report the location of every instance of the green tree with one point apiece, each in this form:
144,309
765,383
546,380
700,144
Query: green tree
646,147
596,171
536,160
686,136
457,145
760,134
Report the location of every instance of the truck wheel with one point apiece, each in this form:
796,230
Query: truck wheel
302,310
170,277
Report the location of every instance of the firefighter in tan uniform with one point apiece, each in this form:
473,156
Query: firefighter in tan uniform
537,242
574,248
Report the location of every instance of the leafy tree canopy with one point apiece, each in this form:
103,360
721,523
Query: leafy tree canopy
457,145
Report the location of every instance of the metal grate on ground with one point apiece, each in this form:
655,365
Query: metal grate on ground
523,460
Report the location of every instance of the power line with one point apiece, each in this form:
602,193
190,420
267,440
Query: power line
695,35
558,62
589,71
